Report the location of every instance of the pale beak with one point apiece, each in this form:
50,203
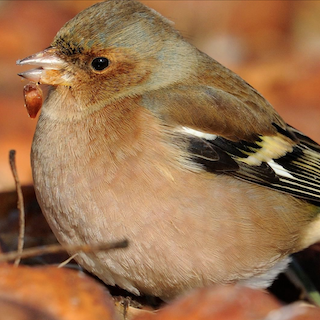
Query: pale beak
51,67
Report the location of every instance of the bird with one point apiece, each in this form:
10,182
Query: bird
144,137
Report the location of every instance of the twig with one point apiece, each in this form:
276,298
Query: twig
20,205
62,264
56,248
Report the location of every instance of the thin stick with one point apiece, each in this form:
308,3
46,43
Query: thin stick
62,264
56,248
20,205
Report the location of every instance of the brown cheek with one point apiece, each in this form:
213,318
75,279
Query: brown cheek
32,99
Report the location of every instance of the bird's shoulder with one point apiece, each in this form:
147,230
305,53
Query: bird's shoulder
245,138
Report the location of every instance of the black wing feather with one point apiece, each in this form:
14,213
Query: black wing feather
297,172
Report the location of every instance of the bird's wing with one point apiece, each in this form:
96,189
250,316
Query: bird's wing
268,162
246,139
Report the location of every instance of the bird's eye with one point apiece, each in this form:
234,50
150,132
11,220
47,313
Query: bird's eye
100,63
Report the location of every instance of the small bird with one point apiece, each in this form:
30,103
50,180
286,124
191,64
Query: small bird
144,137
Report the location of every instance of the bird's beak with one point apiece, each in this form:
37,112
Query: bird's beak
51,68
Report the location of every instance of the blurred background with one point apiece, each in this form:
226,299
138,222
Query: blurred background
273,45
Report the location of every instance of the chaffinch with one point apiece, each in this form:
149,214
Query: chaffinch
144,137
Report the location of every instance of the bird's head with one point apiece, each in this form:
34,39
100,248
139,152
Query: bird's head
112,50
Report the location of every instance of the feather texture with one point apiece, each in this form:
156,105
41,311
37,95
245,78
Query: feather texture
287,161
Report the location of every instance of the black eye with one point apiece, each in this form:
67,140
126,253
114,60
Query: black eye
100,63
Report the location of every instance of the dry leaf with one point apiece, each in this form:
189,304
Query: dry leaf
62,293
218,302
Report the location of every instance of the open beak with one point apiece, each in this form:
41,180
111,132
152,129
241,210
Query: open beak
51,69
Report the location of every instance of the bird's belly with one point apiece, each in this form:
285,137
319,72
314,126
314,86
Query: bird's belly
185,229
179,238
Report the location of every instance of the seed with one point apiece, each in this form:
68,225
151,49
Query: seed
32,99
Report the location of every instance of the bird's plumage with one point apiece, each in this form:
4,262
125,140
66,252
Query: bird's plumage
283,162
144,137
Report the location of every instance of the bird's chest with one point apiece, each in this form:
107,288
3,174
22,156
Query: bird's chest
90,182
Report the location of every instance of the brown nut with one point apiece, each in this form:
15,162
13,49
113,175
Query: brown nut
32,99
